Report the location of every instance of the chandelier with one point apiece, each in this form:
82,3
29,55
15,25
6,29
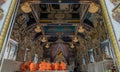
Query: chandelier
47,45
75,39
38,29
43,39
72,45
25,7
81,29
93,8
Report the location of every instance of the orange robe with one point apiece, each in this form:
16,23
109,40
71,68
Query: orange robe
37,66
63,66
28,65
43,65
22,67
40,66
49,66
33,67
52,66
56,66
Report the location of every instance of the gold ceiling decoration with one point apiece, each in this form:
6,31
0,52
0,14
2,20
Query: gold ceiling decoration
93,8
72,45
47,45
81,29
25,7
1,13
75,39
43,39
38,29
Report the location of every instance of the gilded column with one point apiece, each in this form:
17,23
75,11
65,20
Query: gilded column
110,30
7,23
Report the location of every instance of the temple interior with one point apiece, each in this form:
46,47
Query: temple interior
63,30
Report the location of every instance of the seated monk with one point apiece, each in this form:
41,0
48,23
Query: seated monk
37,66
52,66
56,66
33,66
62,65
28,65
43,64
22,67
48,66
40,66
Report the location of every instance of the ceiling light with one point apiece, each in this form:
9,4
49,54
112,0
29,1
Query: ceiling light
75,39
43,39
25,7
81,29
93,8
47,45
72,45
37,29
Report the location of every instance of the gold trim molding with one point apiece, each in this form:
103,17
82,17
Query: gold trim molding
7,23
111,32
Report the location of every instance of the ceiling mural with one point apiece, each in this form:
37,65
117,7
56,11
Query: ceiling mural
54,30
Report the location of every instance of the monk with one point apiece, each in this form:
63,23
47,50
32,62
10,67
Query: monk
40,67
62,65
22,67
43,65
56,66
33,67
28,65
37,66
52,66
48,66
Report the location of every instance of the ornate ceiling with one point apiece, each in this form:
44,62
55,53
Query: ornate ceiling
49,24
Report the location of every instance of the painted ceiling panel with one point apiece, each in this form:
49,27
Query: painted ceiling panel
56,29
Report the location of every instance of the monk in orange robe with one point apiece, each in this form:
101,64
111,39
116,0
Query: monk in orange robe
22,67
43,65
48,66
40,67
37,66
33,67
56,65
52,66
28,65
62,65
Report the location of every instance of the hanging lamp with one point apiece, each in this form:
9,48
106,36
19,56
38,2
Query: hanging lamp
38,29
81,29
72,45
43,39
25,7
75,39
47,45
93,8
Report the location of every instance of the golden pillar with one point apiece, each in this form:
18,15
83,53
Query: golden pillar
110,30
7,23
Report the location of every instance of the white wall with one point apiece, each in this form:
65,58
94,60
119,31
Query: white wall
10,66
